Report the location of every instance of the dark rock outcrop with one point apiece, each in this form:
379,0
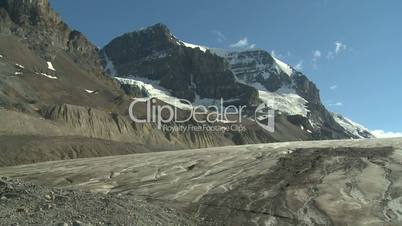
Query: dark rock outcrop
154,53
41,28
258,66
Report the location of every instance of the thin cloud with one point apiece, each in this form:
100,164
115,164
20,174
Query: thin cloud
316,55
334,87
299,66
277,55
338,104
220,37
243,43
339,48
384,134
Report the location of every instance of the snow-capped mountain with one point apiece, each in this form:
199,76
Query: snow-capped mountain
188,71
197,72
352,127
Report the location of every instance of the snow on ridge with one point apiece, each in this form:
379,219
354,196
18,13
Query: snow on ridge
193,46
50,66
281,66
284,67
350,126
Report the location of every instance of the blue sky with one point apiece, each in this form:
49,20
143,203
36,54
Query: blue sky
352,50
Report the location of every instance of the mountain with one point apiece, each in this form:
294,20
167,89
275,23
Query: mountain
64,122
58,102
154,53
293,92
195,72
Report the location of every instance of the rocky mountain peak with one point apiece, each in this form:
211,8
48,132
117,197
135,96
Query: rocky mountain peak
156,38
30,12
158,28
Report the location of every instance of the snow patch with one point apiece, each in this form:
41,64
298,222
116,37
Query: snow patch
18,73
50,66
284,100
193,46
89,91
1,56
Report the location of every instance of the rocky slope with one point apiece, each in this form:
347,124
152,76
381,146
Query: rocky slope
347,182
27,204
42,29
69,131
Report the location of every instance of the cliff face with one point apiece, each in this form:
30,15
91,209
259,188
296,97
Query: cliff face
41,28
258,66
154,53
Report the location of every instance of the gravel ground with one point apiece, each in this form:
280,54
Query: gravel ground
28,204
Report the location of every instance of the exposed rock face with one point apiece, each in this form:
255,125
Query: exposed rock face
258,67
38,25
28,12
154,53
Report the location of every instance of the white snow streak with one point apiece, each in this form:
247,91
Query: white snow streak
350,126
89,91
284,67
193,46
50,66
